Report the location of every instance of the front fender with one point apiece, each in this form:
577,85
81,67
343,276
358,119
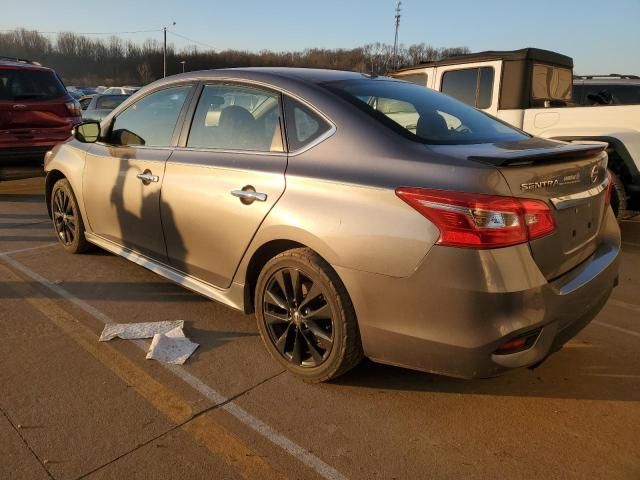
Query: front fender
67,160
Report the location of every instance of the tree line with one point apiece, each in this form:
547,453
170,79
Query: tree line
81,60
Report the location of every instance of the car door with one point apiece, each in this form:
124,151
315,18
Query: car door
223,179
123,173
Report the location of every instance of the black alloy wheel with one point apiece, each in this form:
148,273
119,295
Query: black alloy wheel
64,217
67,220
298,317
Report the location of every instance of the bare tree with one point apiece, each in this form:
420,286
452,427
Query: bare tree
83,60
144,73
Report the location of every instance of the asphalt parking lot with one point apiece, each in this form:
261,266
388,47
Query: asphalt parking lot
75,408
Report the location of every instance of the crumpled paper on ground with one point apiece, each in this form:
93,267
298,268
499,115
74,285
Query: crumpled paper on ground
133,331
169,344
171,347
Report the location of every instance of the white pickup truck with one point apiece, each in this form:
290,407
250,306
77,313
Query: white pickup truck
532,90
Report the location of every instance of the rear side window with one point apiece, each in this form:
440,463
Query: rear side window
304,126
237,117
22,84
151,120
551,83
576,95
611,94
473,86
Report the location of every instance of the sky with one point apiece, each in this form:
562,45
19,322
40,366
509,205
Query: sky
601,36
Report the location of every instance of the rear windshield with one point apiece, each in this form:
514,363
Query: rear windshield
422,114
22,84
109,102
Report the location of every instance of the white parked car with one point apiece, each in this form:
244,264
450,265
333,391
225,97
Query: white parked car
532,90
121,90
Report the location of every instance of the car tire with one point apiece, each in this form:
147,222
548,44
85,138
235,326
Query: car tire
618,196
294,321
66,217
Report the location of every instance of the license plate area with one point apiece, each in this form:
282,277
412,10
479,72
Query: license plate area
580,224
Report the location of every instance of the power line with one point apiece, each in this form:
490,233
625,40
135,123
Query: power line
191,40
81,33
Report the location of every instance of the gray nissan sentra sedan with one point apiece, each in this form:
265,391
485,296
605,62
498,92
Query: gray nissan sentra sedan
356,215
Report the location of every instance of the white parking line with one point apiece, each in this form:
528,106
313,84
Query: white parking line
621,304
619,329
232,408
613,375
20,250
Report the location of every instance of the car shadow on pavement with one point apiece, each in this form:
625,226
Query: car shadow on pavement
27,238
573,373
134,291
23,216
21,198
212,339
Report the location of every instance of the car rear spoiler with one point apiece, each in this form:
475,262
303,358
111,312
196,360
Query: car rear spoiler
561,152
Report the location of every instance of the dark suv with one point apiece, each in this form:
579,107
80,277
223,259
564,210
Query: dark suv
36,112
613,89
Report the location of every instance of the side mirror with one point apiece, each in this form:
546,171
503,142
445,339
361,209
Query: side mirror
87,132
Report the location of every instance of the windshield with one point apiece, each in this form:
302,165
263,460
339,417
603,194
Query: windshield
422,114
29,84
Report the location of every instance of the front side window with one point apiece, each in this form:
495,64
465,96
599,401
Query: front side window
303,124
236,117
150,121
422,114
473,86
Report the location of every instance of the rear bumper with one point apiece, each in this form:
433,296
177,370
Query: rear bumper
461,305
22,155
20,146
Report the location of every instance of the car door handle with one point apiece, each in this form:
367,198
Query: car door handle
248,196
147,177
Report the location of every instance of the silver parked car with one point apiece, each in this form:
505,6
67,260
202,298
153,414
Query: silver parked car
356,215
98,106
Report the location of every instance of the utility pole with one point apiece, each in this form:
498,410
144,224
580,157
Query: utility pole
164,56
395,42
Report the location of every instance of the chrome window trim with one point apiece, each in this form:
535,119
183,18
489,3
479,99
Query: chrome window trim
568,201
135,147
222,150
283,91
316,142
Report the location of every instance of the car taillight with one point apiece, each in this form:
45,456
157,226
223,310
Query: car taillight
480,221
74,108
607,195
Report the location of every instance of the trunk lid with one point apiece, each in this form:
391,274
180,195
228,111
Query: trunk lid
570,178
